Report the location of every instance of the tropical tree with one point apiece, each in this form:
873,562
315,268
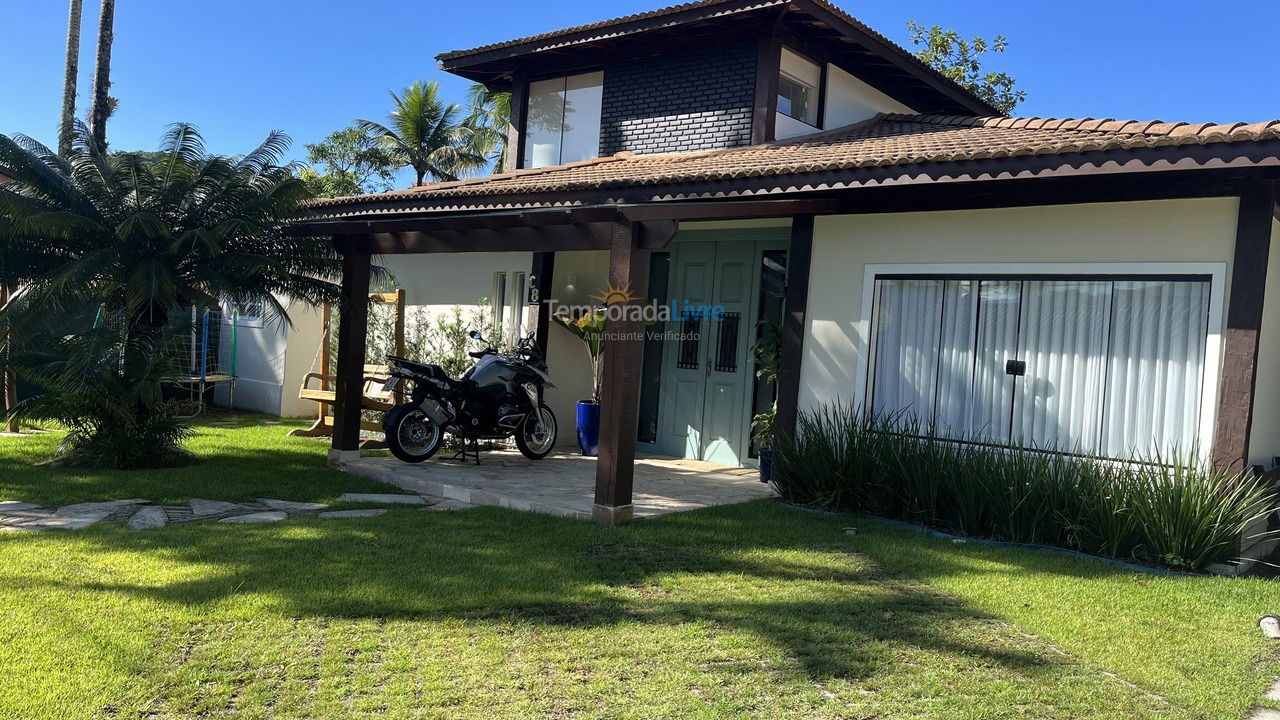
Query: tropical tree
428,135
137,239
961,61
66,128
352,161
488,117
103,104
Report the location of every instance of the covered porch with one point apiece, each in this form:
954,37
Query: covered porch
621,487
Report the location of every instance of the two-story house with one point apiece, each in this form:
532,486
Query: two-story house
1088,284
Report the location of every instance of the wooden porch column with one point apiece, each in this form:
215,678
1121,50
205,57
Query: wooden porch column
1244,323
620,382
349,386
799,257
540,289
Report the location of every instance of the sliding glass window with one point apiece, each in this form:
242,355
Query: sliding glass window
1108,365
563,123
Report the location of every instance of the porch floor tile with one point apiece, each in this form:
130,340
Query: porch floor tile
564,483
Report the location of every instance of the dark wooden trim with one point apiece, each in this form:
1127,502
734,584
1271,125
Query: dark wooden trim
483,220
729,210
586,236
620,381
459,61
822,95
516,129
799,259
1234,419
352,326
541,274
768,59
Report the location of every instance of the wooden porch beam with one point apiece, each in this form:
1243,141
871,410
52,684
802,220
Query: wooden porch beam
799,259
1234,419
352,326
620,383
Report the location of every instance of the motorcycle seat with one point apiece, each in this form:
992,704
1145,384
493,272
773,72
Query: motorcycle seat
435,372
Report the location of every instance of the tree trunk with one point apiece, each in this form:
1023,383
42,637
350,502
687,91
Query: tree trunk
8,382
66,127
101,107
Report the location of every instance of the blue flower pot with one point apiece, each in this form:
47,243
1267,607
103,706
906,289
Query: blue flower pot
766,466
588,427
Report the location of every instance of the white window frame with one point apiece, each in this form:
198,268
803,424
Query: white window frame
816,84
1216,271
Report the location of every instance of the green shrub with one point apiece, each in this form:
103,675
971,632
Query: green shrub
1176,512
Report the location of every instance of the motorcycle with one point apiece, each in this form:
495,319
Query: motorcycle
499,397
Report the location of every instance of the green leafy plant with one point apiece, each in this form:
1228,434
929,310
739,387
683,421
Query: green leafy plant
429,135
351,161
104,388
145,236
1173,511
767,354
961,61
589,328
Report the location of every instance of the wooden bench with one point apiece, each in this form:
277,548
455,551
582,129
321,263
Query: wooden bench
321,387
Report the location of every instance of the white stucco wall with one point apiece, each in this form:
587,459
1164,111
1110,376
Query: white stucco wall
1264,439
439,282
1200,230
849,100
300,358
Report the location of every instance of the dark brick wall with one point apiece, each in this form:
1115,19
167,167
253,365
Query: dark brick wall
694,100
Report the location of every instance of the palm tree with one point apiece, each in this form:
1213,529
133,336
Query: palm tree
488,118
102,105
138,239
427,134
72,72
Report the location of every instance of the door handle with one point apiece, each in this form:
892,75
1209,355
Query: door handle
708,367
1017,368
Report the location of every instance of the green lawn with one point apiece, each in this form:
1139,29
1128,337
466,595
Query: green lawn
756,610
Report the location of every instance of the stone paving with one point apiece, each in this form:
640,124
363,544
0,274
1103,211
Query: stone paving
564,483
140,514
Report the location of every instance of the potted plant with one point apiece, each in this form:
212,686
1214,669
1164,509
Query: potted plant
589,328
762,429
767,353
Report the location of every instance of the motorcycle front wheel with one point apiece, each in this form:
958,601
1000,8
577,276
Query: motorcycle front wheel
536,436
411,436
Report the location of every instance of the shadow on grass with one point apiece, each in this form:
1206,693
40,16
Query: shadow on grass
798,586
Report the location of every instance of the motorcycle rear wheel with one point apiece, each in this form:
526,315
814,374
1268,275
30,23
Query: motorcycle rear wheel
411,436
536,443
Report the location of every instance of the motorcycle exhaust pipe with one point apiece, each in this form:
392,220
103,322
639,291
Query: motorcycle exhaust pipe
436,412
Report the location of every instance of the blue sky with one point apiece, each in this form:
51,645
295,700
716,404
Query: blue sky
240,68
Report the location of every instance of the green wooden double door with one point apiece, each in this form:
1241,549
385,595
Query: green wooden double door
720,285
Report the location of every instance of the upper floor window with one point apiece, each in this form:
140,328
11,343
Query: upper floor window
799,83
563,122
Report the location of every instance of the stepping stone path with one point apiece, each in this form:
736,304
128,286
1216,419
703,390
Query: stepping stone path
140,514
337,514
257,518
384,498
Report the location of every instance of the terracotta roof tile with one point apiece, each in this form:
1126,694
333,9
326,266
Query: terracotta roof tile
887,139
